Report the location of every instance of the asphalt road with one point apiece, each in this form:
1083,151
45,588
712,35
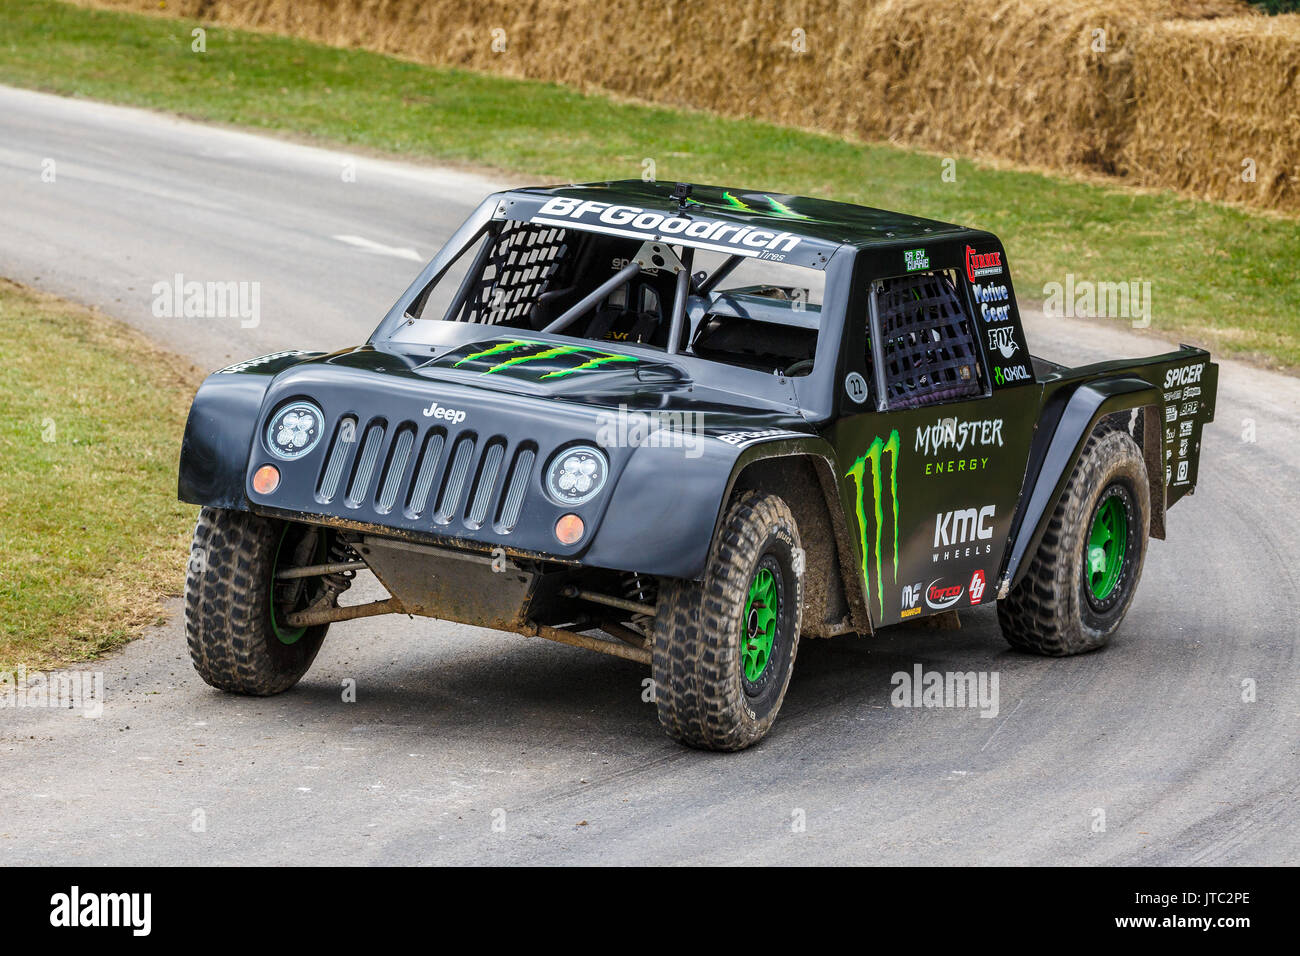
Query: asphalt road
466,746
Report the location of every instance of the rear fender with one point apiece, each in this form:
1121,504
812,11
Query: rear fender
1070,413
1052,461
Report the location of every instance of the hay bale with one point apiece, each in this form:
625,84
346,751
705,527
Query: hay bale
1211,96
1129,89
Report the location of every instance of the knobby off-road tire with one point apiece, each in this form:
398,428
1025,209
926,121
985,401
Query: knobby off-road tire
1073,597
709,635
234,642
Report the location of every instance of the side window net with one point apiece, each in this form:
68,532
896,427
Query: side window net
518,269
927,344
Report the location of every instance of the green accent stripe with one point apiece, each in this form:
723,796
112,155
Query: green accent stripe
875,452
733,202
590,364
556,352
497,350
783,210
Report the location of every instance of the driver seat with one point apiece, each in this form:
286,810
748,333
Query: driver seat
616,321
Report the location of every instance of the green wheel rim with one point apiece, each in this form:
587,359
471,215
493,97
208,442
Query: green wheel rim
1107,545
285,635
759,624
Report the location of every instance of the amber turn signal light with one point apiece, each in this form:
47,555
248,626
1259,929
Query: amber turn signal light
266,479
569,529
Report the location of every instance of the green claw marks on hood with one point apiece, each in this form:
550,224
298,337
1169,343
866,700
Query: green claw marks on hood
531,360
760,203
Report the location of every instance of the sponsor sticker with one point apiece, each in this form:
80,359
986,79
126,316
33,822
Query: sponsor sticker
955,435
872,489
961,533
744,438
634,221
1187,375
1007,374
910,599
987,298
1003,339
940,596
254,362
982,264
976,588
916,260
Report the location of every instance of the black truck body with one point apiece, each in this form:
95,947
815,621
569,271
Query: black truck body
874,375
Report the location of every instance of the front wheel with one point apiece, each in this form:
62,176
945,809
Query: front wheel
1081,580
235,607
724,647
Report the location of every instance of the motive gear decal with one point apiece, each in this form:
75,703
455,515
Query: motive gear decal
875,453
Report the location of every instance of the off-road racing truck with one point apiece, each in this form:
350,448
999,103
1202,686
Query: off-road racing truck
685,426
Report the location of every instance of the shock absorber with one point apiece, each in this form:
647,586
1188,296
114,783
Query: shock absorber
332,585
644,590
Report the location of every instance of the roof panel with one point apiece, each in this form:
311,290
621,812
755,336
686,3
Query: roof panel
810,228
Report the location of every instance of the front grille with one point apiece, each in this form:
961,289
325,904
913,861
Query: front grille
461,458
512,499
345,437
369,457
427,476
395,469
425,473
487,479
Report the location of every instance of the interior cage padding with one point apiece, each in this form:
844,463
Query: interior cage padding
928,346
523,260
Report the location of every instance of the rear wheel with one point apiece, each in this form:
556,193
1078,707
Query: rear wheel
235,607
724,647
1081,580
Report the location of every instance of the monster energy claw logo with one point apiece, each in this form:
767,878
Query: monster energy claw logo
589,358
877,450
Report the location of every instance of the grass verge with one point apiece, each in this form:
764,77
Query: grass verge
93,538
1220,276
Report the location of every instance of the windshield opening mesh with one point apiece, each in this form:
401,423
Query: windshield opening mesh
519,267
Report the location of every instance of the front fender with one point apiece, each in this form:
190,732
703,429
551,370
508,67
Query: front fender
667,506
219,430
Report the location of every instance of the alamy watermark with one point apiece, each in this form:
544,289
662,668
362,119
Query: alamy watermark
1085,299
60,690
959,689
179,298
626,428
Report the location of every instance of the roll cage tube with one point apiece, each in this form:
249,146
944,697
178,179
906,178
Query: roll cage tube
594,297
469,232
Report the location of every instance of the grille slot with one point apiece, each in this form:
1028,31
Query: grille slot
345,435
457,473
366,462
425,472
512,499
487,480
395,469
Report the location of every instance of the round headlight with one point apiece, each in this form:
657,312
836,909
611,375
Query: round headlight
294,430
576,475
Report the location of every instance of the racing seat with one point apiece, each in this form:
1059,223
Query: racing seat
616,321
